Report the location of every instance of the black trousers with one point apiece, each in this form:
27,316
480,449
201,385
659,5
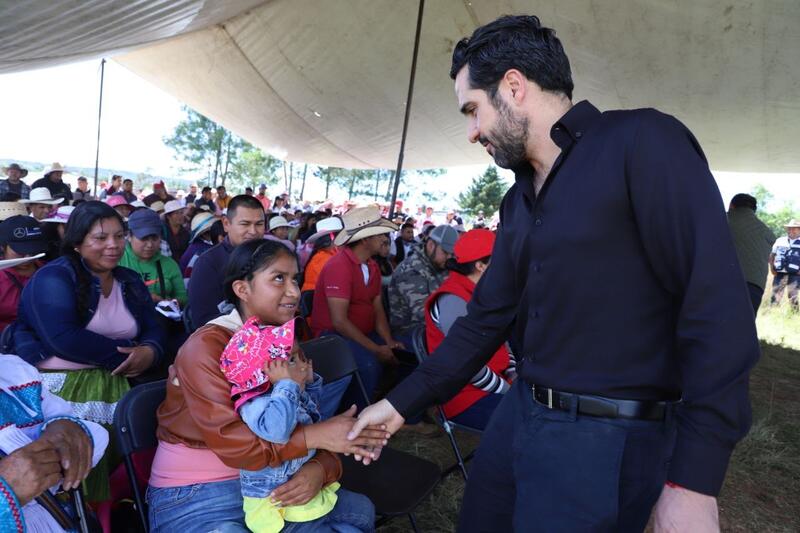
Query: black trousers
543,470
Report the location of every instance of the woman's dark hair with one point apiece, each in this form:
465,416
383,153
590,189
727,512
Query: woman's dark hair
217,232
465,269
80,223
513,42
248,259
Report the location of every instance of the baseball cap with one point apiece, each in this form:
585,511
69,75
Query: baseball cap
143,223
23,234
473,245
445,236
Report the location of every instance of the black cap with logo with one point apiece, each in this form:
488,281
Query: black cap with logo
23,234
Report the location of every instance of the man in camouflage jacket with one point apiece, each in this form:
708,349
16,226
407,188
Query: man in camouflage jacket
416,278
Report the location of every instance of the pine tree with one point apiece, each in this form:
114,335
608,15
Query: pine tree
485,193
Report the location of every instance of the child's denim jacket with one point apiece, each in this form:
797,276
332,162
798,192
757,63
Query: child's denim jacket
273,417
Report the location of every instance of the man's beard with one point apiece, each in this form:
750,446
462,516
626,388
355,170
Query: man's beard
508,137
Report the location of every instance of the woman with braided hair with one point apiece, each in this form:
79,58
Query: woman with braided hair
88,324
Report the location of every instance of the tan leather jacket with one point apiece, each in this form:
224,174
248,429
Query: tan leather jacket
198,412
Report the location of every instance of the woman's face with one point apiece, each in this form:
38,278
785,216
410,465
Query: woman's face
273,293
102,247
146,248
385,246
124,210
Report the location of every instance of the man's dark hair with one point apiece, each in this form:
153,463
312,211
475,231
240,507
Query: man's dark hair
127,180
405,226
222,187
513,42
206,189
744,200
242,200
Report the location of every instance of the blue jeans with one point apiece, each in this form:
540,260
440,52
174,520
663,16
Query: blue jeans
539,469
194,508
353,513
478,414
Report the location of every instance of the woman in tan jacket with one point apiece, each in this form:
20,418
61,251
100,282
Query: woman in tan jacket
194,484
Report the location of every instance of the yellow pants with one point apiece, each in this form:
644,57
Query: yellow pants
263,516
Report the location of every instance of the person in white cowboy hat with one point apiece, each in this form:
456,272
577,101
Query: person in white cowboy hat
14,188
279,231
175,232
41,202
324,250
53,182
347,296
784,261
200,241
60,218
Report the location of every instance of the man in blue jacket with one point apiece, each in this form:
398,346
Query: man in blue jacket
243,222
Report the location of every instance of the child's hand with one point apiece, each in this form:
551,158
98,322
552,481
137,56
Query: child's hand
310,375
277,369
298,372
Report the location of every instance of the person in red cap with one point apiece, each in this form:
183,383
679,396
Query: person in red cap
159,194
475,403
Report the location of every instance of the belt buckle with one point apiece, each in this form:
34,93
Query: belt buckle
549,403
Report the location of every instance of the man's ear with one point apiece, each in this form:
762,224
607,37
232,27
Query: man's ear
241,289
516,84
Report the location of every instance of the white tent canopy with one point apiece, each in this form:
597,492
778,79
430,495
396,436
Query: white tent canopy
325,81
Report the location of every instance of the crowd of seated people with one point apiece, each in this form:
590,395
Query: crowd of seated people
104,290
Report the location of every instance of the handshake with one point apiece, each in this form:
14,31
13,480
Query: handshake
363,437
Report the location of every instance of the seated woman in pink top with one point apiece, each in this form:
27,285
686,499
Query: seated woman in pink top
88,324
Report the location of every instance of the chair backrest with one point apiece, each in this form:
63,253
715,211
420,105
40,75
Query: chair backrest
135,420
333,360
306,303
419,343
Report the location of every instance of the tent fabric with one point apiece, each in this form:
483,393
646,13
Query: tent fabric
325,81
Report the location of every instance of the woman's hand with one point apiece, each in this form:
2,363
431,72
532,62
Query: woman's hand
303,486
139,359
331,435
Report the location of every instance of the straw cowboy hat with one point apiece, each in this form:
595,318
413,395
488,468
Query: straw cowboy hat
278,222
14,166
794,223
10,209
61,216
326,226
41,195
201,223
55,167
362,222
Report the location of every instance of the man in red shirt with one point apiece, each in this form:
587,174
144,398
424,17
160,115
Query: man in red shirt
347,296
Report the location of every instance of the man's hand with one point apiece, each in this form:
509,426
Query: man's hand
31,470
381,414
385,355
679,510
74,449
139,359
302,486
332,435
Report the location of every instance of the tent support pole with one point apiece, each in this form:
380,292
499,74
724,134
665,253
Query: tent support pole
399,170
99,117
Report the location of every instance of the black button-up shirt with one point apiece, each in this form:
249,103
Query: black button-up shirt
619,278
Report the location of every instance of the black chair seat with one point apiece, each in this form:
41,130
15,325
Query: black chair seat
396,483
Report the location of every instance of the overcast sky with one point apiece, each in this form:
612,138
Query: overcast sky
51,115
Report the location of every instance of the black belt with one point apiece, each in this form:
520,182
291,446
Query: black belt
599,406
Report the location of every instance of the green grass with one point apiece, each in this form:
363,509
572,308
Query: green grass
762,488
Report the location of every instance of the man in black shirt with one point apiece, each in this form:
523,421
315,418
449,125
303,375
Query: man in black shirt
52,181
615,274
